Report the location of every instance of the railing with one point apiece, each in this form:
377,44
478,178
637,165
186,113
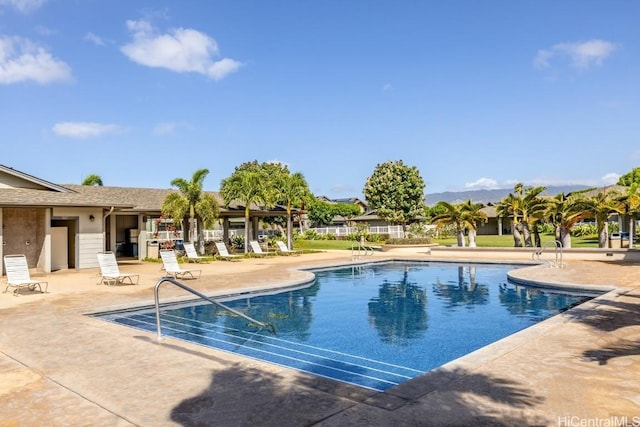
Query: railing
156,293
557,262
360,251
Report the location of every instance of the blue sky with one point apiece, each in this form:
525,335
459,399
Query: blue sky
475,94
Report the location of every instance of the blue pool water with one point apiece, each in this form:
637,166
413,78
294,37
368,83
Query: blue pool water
375,325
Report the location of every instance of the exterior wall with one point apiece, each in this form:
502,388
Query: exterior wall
90,237
11,181
24,231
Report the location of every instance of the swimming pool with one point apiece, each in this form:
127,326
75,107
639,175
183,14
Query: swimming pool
375,325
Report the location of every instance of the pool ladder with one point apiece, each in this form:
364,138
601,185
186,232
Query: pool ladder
156,293
557,262
360,252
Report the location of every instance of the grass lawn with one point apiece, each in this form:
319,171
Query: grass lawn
505,241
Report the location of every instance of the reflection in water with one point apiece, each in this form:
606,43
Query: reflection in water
465,292
533,302
399,311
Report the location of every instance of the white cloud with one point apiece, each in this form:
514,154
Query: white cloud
580,55
83,130
166,128
610,178
180,50
22,60
94,39
482,184
387,87
23,6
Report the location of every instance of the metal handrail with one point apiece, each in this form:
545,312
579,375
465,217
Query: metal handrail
557,250
363,250
156,293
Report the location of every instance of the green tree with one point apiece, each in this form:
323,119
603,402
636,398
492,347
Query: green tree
564,212
600,207
92,180
396,192
524,206
630,178
320,213
200,208
249,183
472,215
630,200
292,189
452,214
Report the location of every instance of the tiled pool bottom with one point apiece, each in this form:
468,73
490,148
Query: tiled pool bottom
374,325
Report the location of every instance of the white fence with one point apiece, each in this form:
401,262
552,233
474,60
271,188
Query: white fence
393,231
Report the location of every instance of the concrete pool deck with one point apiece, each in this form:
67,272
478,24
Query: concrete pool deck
59,367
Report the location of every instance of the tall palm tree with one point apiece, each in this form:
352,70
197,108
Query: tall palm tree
631,204
510,207
452,214
248,184
292,189
92,180
601,207
200,208
473,215
564,212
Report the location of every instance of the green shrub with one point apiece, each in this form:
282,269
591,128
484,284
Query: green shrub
329,236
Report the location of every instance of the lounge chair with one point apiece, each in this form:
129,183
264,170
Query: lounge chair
223,251
192,255
110,272
18,276
282,247
256,248
173,269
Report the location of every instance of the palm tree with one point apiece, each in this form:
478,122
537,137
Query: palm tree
293,188
248,184
523,206
201,208
631,204
601,207
509,207
564,212
452,215
92,180
473,214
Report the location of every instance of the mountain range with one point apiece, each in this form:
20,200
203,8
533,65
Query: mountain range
492,196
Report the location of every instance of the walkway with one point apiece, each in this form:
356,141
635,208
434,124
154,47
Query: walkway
59,367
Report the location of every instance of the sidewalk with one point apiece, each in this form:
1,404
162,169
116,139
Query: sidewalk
59,367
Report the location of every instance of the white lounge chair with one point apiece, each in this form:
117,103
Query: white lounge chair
282,247
192,254
223,251
173,269
256,248
18,276
110,272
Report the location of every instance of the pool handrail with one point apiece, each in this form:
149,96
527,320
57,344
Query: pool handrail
536,255
156,293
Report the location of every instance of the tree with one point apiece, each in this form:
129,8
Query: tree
630,178
200,208
92,180
249,183
601,207
630,200
564,212
292,189
525,206
452,214
396,192
472,215
320,212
